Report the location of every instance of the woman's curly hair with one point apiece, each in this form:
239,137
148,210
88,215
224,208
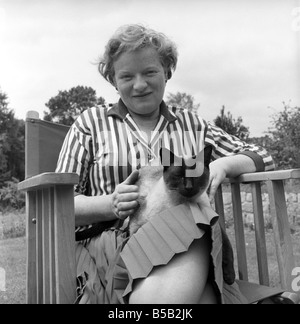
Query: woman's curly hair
130,38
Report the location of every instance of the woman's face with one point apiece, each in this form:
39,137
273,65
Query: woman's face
140,79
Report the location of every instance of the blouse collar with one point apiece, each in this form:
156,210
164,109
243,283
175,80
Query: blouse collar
119,110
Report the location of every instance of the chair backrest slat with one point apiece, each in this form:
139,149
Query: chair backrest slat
42,145
51,271
282,233
239,231
260,237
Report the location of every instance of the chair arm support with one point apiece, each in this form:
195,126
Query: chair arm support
48,179
265,176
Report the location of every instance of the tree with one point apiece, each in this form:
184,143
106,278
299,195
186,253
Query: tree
68,104
285,136
12,143
6,115
232,126
182,100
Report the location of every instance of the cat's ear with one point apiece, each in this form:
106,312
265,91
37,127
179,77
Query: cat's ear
204,156
168,158
196,164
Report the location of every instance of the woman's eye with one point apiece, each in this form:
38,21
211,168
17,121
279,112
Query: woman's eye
151,72
126,77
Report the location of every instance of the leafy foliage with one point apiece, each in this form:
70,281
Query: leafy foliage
12,143
182,100
232,126
68,104
285,135
10,196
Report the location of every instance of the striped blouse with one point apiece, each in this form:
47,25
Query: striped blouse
104,145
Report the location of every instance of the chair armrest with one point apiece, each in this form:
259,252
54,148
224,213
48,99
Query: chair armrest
51,267
266,175
48,179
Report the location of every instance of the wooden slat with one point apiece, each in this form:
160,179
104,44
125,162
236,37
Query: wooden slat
43,141
31,278
46,246
261,248
52,249
48,179
39,248
282,232
65,254
266,176
31,148
239,231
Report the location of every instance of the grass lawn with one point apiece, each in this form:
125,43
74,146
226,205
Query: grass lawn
13,261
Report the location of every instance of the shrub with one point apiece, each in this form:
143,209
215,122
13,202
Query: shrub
10,196
12,224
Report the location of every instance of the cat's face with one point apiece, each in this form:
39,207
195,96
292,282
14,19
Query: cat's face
187,176
170,181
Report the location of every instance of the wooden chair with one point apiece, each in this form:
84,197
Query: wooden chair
51,276
275,181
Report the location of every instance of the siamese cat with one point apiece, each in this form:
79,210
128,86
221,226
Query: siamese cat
175,181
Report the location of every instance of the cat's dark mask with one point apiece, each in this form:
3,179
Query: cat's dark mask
186,174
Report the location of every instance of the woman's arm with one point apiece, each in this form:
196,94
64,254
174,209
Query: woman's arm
227,167
120,204
94,209
233,157
225,145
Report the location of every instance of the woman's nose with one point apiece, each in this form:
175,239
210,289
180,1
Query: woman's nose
139,83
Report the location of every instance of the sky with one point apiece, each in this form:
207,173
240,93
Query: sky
242,54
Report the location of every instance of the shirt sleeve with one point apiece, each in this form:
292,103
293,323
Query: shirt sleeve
225,144
75,155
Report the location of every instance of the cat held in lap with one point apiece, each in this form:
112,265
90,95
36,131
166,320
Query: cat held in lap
176,180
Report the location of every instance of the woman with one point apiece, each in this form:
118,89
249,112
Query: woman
107,146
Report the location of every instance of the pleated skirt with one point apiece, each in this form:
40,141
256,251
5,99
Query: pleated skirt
108,265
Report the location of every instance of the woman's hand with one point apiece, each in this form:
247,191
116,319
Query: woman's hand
217,176
125,197
229,166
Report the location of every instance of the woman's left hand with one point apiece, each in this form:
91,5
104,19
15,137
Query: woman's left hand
228,166
217,176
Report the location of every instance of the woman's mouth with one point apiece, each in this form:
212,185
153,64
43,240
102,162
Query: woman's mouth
143,95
